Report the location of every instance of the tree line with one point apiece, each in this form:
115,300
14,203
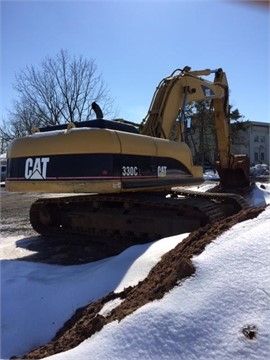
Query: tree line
200,133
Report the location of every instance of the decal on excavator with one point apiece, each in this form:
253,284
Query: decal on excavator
208,93
96,167
36,168
162,171
130,171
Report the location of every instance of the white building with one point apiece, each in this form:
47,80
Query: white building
253,141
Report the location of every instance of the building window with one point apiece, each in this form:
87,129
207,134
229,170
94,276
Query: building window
256,138
262,156
262,139
256,157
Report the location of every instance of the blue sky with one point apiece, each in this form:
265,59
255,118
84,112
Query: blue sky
136,43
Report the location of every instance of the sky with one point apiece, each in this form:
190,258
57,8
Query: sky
200,319
135,44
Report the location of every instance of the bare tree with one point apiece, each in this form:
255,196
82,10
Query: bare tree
61,90
20,123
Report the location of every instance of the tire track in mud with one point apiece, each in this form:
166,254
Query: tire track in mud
170,271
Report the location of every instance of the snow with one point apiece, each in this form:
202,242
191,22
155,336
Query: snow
202,318
211,175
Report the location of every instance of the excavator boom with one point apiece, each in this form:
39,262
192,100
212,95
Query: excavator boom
167,107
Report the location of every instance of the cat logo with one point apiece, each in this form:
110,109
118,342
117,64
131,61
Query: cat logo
36,169
162,171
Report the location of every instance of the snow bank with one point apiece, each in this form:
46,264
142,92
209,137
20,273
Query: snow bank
201,319
204,318
38,298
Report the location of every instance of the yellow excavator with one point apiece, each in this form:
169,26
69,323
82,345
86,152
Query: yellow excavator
125,182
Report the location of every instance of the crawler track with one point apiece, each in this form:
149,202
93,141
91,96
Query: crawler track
130,218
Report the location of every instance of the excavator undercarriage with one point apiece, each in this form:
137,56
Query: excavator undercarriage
131,218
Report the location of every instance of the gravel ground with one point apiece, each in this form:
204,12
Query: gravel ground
64,251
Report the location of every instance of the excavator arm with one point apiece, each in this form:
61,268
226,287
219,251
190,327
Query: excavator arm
167,107
175,92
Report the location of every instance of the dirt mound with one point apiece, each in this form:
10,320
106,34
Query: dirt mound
174,266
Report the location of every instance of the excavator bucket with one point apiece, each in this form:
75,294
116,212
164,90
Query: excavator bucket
236,175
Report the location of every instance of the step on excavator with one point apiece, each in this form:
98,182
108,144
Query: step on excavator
120,182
